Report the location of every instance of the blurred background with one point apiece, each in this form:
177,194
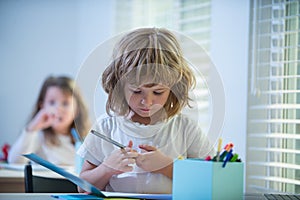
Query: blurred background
252,43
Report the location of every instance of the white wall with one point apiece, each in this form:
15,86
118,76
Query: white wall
229,52
38,38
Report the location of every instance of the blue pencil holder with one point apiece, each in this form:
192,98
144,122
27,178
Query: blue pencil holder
198,179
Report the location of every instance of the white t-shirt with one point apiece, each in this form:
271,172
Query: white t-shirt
178,136
34,142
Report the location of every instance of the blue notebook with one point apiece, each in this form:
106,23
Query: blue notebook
88,187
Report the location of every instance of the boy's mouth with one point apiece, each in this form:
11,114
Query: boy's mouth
145,109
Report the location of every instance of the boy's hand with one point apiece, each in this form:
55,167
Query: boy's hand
121,160
152,160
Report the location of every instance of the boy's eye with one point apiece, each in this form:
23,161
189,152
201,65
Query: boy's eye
158,92
136,91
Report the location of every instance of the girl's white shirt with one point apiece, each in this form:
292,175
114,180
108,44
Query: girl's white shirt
34,142
179,136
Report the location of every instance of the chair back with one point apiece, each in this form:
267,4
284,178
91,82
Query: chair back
39,184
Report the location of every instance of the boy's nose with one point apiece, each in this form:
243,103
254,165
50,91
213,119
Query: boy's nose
147,100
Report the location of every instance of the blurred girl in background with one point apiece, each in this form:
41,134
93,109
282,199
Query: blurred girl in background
59,108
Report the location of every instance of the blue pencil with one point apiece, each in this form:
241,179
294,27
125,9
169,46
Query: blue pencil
228,157
75,135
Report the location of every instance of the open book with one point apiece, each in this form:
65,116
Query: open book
88,187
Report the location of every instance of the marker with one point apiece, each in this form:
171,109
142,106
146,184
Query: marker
228,146
180,157
208,158
228,157
234,157
227,149
107,139
223,155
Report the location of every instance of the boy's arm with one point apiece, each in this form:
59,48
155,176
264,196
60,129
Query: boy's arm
118,162
155,161
167,171
97,175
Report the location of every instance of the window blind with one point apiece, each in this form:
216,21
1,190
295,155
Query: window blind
273,134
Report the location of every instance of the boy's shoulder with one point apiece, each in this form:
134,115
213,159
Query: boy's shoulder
107,119
185,118
103,116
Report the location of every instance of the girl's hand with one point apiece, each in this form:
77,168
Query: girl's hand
152,160
43,119
121,160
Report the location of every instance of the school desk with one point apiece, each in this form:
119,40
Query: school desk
47,196
11,181
12,177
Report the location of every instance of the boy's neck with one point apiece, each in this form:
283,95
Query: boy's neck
157,117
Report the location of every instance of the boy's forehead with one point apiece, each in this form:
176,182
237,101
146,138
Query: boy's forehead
152,74
148,85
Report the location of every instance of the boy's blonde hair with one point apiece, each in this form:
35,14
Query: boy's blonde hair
148,56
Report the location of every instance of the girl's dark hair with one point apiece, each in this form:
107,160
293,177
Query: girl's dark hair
81,121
